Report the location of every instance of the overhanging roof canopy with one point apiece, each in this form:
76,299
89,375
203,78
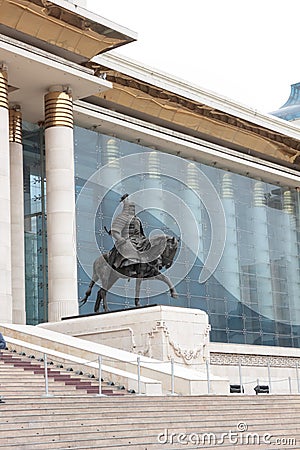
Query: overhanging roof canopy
31,72
62,28
150,95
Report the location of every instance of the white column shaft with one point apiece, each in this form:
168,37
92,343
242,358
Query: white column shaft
62,261
17,232
5,221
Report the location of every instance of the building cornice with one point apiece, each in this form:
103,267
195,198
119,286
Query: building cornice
167,140
156,97
193,92
61,28
32,73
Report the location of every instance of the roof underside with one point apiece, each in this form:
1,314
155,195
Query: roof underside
32,72
163,107
61,28
71,32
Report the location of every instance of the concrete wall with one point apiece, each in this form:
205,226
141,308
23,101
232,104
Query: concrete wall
273,366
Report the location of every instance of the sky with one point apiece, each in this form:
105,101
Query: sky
247,51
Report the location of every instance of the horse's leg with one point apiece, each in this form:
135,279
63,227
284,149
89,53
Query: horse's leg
103,291
96,275
165,279
138,283
101,270
98,302
102,294
89,291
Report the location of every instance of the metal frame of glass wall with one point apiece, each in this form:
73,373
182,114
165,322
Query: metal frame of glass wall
35,221
252,297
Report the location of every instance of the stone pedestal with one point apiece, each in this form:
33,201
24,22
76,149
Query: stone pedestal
160,332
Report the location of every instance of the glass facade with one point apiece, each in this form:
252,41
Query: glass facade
251,297
35,225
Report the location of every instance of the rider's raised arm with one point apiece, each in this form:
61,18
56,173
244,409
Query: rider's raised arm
120,225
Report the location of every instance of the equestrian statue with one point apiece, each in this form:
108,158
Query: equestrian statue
133,256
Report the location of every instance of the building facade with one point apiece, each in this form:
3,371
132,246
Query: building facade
80,127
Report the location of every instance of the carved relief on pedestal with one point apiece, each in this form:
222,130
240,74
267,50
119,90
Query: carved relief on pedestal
172,349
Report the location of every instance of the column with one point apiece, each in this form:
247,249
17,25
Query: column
5,230
262,252
154,181
17,216
290,303
193,202
230,275
60,190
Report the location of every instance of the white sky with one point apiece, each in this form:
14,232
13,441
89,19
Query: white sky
245,50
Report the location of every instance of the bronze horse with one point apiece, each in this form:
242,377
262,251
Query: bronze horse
108,275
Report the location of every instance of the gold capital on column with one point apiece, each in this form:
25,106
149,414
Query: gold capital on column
15,126
3,88
58,109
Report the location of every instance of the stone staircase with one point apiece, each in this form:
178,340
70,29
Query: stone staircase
23,376
75,418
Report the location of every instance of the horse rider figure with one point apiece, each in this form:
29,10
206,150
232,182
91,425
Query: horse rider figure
130,240
133,256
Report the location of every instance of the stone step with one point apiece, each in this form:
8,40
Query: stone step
25,412
41,385
82,403
129,439
55,392
147,427
122,441
52,380
26,376
77,419
29,368
38,387
11,369
57,376
121,425
106,405
90,417
209,403
33,382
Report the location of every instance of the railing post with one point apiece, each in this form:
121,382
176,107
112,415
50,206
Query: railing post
100,374
138,359
46,377
100,377
297,375
240,375
172,377
290,385
269,376
208,376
